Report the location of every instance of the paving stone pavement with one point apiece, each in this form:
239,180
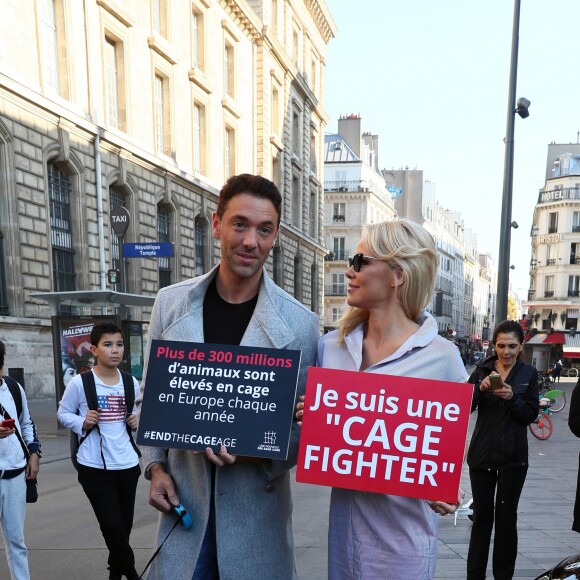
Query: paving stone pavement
64,541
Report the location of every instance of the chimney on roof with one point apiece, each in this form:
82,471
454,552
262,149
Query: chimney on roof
350,129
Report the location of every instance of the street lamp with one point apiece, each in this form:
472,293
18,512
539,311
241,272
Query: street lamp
521,108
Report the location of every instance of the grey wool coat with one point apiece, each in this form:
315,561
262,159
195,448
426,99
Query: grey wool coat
253,503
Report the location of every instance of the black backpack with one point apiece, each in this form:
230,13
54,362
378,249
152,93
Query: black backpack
15,392
91,395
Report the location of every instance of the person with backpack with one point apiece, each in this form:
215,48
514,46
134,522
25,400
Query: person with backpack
98,406
17,431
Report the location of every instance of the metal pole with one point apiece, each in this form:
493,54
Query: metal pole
506,209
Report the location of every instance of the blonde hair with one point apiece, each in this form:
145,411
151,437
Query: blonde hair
409,248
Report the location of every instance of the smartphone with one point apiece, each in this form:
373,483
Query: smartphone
7,423
495,381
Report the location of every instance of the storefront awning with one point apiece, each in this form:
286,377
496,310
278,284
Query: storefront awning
572,354
537,339
555,338
573,313
546,312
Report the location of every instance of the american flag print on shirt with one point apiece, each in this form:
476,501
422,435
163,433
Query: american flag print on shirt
113,407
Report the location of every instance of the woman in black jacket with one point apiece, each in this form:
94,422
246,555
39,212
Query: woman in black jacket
574,424
498,453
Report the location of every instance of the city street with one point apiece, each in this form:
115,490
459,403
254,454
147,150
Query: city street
64,540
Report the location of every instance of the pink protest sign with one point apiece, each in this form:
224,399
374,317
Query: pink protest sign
384,434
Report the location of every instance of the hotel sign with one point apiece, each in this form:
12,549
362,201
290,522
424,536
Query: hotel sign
553,195
548,239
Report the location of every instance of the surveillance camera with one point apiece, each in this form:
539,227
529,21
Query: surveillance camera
514,225
522,107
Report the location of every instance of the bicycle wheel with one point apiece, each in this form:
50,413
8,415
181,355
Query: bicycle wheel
541,428
573,372
558,402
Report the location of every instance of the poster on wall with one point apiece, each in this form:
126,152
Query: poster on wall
74,335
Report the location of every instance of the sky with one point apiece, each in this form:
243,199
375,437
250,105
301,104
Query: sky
431,79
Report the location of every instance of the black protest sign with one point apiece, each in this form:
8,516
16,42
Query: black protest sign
204,395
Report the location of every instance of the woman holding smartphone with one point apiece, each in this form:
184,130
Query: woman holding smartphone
385,329
506,397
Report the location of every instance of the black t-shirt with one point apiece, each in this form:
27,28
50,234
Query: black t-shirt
223,322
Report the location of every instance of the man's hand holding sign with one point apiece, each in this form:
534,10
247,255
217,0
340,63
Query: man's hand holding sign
384,434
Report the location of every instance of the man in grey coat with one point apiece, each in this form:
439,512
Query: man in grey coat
241,507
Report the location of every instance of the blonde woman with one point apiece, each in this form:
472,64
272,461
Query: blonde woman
386,329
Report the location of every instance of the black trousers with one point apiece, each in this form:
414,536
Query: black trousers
503,505
112,496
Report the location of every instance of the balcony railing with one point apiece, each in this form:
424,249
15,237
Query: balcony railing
552,230
355,185
337,255
338,218
551,262
335,290
549,294
576,228
574,293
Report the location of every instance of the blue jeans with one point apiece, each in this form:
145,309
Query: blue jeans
13,510
206,567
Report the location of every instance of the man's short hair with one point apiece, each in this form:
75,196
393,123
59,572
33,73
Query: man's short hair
255,185
2,354
104,328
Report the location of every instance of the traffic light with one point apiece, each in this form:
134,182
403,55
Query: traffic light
113,276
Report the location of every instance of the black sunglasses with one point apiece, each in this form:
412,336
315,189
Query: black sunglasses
359,260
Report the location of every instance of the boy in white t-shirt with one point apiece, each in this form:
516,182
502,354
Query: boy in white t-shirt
108,464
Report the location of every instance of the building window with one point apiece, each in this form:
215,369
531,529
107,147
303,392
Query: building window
313,288
229,69
230,152
161,105
338,212
296,133
163,236
338,247
63,253
313,213
295,46
553,222
118,199
54,54
549,287
313,71
576,221
313,164
297,278
551,254
574,286
296,202
159,17
274,17
275,111
114,74
276,171
574,257
338,284
200,237
199,138
197,40
277,265
564,165
3,294
335,315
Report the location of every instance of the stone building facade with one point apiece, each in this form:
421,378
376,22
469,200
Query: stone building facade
149,105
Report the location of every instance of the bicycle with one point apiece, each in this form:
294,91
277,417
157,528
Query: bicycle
570,372
556,396
542,427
